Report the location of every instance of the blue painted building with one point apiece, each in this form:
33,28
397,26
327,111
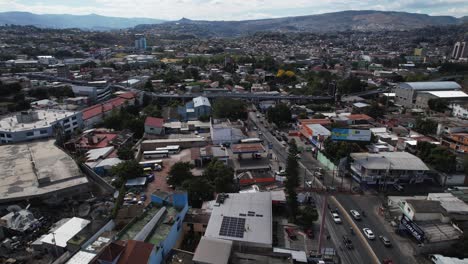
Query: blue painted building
199,106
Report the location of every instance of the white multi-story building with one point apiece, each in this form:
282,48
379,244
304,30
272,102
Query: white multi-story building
29,125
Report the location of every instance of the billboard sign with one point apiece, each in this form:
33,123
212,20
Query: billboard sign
412,228
346,134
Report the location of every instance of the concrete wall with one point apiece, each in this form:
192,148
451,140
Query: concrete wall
94,177
175,232
107,227
325,161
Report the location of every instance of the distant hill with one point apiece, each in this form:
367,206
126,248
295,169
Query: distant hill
367,20
92,21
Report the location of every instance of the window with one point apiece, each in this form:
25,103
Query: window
29,134
66,121
67,126
73,117
204,226
75,123
8,135
2,135
43,131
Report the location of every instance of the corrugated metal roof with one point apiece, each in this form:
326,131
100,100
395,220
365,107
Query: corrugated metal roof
213,250
66,232
201,100
430,85
392,160
449,94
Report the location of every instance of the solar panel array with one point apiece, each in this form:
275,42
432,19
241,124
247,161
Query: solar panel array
232,227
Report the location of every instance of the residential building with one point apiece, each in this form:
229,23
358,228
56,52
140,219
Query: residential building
62,71
96,113
35,124
199,106
460,50
99,138
460,110
225,132
243,218
316,133
457,142
422,99
447,126
207,246
387,168
45,170
57,239
96,93
406,93
154,126
140,42
126,252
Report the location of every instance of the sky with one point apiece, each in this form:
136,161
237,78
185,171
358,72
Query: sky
229,9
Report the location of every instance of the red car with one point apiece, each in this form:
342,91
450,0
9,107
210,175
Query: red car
387,261
291,233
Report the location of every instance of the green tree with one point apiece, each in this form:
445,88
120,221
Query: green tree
441,158
336,150
179,173
125,153
292,180
126,170
374,110
229,108
149,86
437,104
220,175
279,114
152,110
351,85
425,126
199,189
307,216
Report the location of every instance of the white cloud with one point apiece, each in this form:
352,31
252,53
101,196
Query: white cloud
228,9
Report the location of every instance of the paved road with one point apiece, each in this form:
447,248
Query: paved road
368,203
358,254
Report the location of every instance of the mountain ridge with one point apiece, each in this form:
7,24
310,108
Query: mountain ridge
363,20
60,21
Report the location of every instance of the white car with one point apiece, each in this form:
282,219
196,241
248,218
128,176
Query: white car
369,234
355,214
336,218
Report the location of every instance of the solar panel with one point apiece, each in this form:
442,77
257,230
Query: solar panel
232,227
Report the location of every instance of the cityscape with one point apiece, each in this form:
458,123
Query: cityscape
261,135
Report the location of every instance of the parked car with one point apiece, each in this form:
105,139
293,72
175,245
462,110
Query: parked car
355,214
310,233
398,187
291,233
142,196
347,242
150,177
385,241
369,234
336,218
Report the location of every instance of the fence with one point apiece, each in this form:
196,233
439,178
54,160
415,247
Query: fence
325,161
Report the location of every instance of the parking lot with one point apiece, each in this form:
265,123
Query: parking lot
160,182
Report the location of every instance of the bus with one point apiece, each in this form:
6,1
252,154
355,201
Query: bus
151,163
251,140
173,149
156,154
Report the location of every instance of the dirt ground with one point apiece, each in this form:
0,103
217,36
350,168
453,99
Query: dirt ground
160,183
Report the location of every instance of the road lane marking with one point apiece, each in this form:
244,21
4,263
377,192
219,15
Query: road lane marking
357,230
